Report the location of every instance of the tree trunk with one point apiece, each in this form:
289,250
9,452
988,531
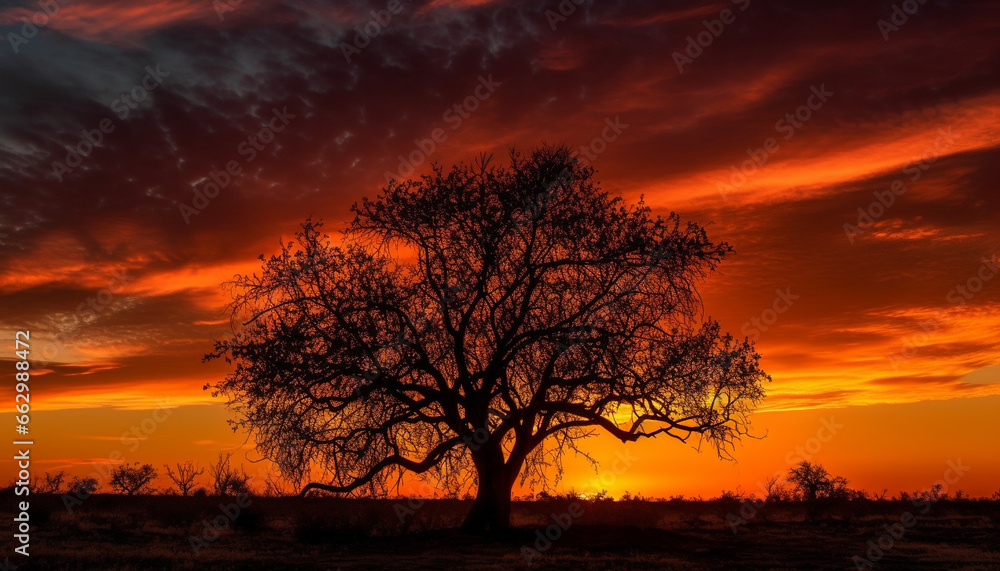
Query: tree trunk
491,509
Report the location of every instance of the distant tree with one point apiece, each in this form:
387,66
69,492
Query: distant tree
812,482
838,489
133,479
774,490
52,483
479,323
185,476
83,486
227,480
737,495
934,494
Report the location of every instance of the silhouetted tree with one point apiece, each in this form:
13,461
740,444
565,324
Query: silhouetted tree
774,490
132,479
812,482
227,480
184,479
83,486
478,323
52,483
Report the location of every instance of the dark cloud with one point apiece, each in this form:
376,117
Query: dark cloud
223,79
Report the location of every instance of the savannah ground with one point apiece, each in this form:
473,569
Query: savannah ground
154,532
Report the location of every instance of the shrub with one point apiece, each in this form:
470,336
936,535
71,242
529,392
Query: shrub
132,479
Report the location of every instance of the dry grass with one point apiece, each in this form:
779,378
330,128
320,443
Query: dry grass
121,533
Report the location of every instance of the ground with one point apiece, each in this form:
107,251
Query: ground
162,532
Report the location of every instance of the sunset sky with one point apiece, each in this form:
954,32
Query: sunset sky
882,324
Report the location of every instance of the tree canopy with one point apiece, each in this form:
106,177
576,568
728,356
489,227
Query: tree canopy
473,325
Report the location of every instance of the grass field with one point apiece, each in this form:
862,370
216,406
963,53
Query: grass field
155,532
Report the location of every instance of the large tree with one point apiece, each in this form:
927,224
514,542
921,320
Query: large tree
471,326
